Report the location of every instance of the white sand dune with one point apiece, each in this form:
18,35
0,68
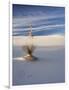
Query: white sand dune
52,40
50,65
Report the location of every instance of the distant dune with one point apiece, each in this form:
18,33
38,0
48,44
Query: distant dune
51,40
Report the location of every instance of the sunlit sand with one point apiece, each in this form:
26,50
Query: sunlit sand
51,40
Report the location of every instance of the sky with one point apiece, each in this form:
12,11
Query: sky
45,20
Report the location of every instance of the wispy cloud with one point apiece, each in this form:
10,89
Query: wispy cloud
41,27
23,21
40,20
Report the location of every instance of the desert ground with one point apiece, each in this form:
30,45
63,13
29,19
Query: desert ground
48,68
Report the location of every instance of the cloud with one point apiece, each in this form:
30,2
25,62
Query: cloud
23,21
36,29
39,23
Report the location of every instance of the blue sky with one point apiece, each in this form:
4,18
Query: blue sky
45,20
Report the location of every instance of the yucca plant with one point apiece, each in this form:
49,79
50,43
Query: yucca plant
29,47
